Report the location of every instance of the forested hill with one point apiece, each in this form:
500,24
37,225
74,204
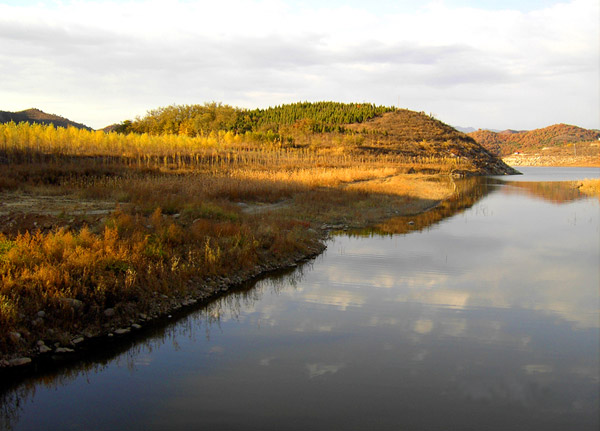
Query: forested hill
194,120
509,141
352,128
319,116
36,116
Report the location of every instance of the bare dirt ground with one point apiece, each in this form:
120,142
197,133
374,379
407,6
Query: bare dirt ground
20,212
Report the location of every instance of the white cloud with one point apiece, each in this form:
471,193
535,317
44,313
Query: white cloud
106,61
320,369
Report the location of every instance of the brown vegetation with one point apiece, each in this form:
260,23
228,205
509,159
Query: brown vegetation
166,219
415,134
541,141
590,187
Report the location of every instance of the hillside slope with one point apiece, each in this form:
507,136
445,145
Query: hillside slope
349,128
34,115
510,141
418,135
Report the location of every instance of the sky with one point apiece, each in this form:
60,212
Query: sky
514,64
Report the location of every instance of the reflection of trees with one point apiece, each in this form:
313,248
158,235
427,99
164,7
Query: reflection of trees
559,192
232,304
10,405
467,192
16,390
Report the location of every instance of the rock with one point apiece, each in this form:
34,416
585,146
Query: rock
41,314
44,349
411,222
143,316
18,362
3,363
75,303
177,215
37,322
63,350
122,331
14,337
109,312
136,326
77,340
40,343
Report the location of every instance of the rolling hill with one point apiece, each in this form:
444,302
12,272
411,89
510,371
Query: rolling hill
352,128
510,141
34,115
325,126
419,135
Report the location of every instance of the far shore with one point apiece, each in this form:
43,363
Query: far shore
519,160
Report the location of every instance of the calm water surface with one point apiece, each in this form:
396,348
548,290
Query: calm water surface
486,317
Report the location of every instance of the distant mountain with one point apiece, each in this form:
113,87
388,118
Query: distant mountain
509,141
465,129
472,129
112,128
36,116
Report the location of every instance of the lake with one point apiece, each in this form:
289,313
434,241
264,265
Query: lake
482,314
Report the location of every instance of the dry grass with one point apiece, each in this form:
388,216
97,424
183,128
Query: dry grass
131,260
590,187
181,218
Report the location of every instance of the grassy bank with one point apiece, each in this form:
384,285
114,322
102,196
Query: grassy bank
590,187
101,231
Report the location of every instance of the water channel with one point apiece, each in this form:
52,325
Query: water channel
482,314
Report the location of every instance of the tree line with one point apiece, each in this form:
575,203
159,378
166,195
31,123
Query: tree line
270,123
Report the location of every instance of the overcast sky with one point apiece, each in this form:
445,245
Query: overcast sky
519,64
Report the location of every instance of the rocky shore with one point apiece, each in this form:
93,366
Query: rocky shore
549,160
123,321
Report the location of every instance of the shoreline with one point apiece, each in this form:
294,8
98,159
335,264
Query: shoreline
533,160
210,290
200,293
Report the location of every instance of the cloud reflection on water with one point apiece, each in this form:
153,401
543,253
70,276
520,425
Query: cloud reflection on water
491,312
